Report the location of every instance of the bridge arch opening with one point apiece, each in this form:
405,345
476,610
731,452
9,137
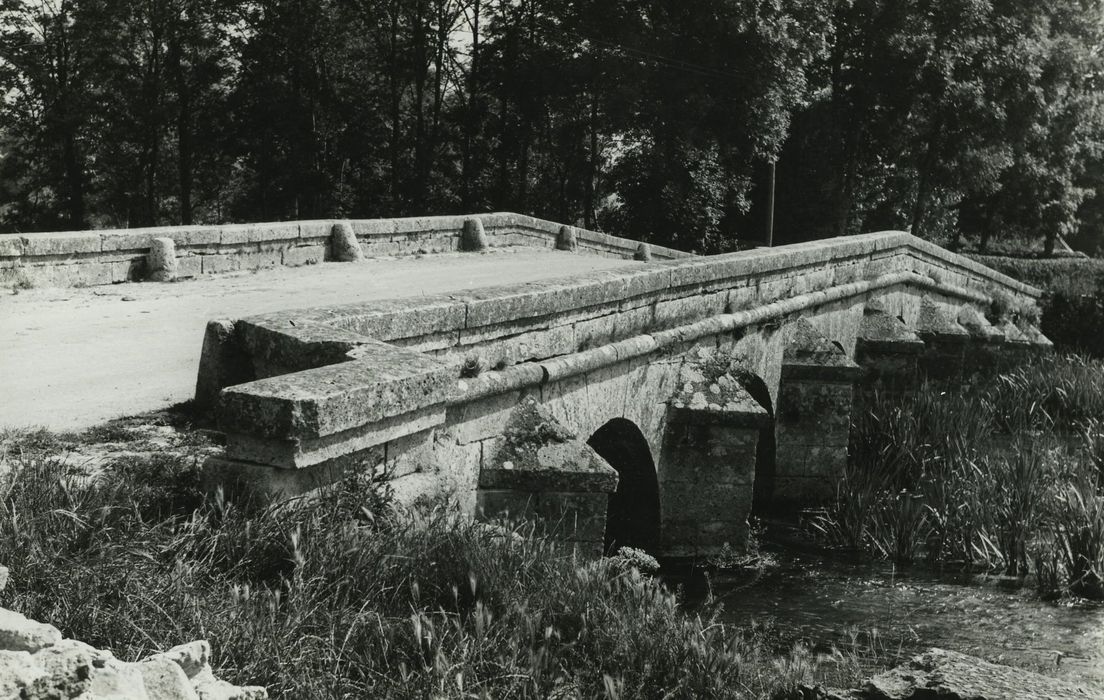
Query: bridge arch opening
632,515
765,449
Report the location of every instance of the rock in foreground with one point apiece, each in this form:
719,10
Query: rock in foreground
949,675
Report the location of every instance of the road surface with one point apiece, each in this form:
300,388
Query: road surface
72,358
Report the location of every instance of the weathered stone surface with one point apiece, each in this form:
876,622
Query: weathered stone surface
17,633
222,363
192,657
711,392
934,323
161,261
882,332
565,239
949,675
540,454
165,680
18,673
810,355
474,237
329,400
344,243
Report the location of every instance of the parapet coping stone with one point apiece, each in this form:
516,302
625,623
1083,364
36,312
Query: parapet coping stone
383,382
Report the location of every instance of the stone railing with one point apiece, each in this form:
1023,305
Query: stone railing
81,258
36,662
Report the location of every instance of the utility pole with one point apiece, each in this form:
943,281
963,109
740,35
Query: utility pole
770,207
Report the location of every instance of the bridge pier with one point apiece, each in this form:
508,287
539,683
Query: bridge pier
542,472
887,350
814,418
708,477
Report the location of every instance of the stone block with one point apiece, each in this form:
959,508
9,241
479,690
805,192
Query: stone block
396,319
701,502
188,266
17,633
338,447
257,233
19,673
192,657
565,239
329,400
539,454
61,243
473,421
273,484
165,680
161,260
474,237
11,245
304,255
344,244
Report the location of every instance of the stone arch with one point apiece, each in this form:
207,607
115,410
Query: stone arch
765,447
632,515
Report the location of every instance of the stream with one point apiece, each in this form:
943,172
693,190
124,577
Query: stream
896,613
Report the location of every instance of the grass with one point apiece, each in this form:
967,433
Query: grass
346,596
1008,477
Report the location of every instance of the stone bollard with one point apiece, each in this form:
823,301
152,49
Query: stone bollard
643,253
344,243
161,260
474,238
4,573
566,239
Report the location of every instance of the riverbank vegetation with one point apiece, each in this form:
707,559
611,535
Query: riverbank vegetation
1006,476
346,596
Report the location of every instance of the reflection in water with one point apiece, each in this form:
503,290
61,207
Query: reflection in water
824,603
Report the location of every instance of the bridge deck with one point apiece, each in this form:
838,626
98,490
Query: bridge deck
71,358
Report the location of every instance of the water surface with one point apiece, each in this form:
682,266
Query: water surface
824,603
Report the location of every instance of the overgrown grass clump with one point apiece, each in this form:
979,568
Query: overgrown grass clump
1007,476
346,596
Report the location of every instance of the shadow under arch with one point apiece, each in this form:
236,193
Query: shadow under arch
765,449
632,515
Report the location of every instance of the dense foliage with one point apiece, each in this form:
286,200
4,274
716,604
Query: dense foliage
652,118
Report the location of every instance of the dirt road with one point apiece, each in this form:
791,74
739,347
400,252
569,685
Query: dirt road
72,358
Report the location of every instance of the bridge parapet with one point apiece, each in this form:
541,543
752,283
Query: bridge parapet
70,258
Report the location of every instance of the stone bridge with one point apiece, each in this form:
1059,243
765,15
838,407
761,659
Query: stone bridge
653,406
